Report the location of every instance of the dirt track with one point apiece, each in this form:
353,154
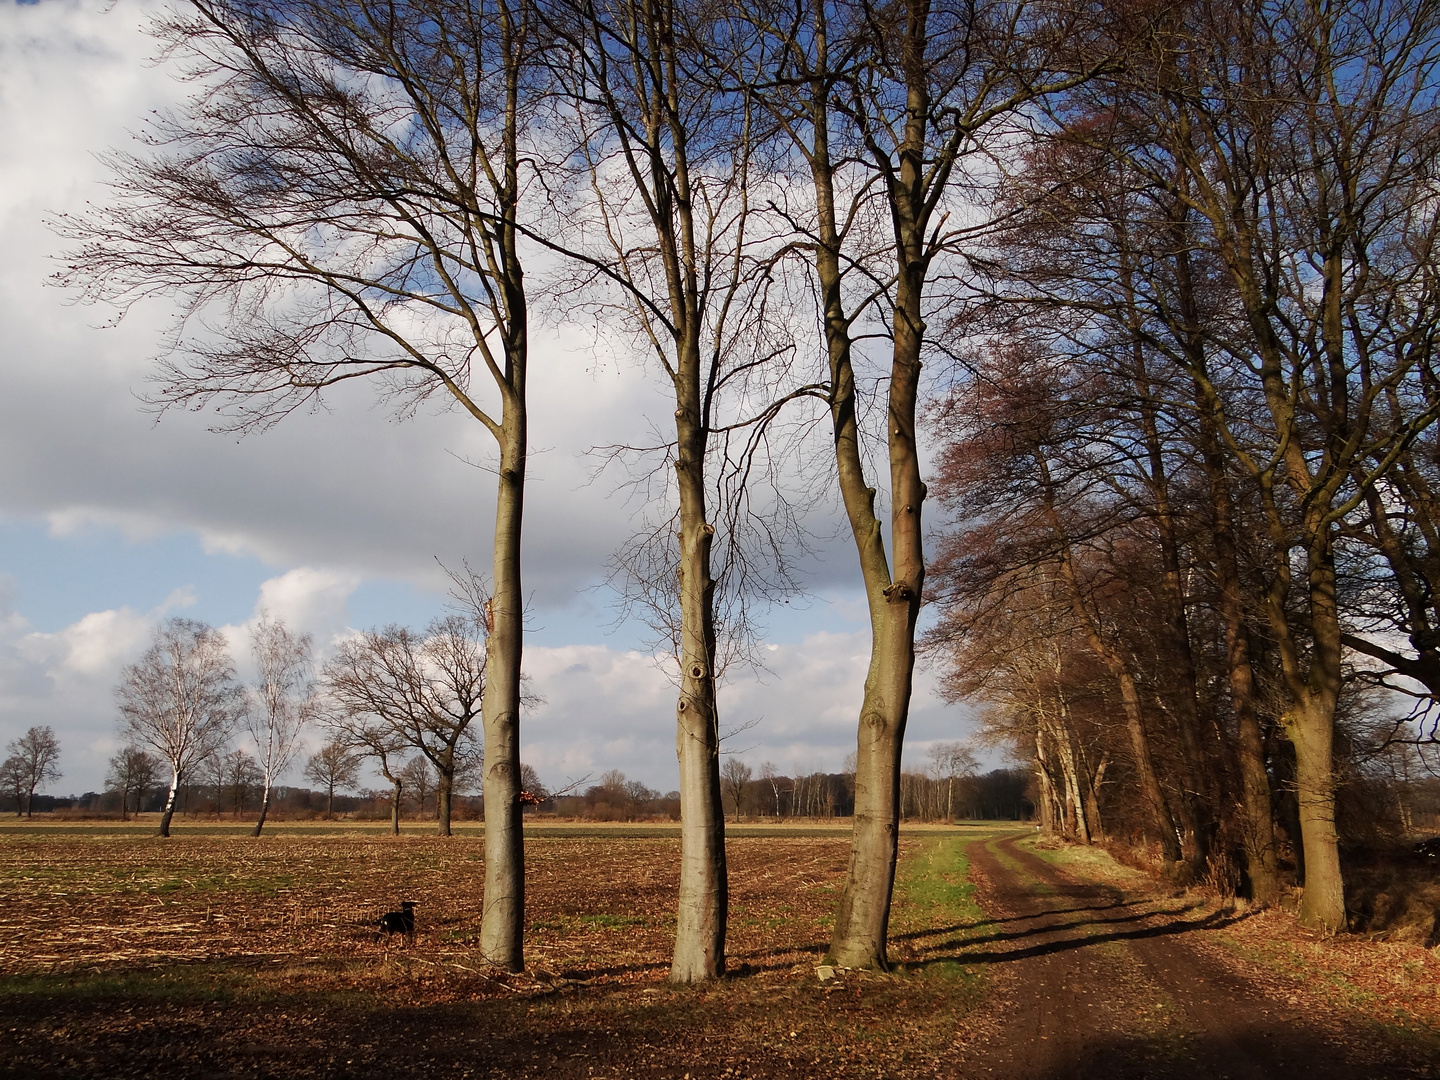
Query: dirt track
1094,986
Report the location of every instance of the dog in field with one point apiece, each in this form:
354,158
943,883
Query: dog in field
398,922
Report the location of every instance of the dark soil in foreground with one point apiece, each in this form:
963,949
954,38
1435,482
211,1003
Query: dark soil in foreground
223,958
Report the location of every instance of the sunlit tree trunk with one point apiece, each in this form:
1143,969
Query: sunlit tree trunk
704,889
264,809
169,812
502,925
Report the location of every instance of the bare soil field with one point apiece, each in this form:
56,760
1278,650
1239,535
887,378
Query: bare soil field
215,955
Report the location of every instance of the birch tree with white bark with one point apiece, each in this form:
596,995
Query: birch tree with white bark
281,704
181,699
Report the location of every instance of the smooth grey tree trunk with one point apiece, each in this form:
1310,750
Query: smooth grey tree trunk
704,888
863,916
502,922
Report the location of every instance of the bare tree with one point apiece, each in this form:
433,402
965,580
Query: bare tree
737,776
373,738
419,777
12,779
132,772
952,761
335,765
884,103
181,699
772,776
243,775
37,753
664,218
394,688
380,244
281,704
213,768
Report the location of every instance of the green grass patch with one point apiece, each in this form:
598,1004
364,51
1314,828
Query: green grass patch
1093,864
935,906
612,922
934,883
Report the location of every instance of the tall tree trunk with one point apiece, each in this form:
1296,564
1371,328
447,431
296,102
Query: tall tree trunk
502,924
863,916
1145,774
1311,730
1047,789
169,811
1092,798
1196,792
704,889
395,808
1144,763
443,799
1077,826
1258,824
264,809
1310,726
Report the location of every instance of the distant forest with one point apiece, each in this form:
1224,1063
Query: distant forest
1000,794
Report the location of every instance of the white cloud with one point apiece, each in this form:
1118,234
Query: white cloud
309,600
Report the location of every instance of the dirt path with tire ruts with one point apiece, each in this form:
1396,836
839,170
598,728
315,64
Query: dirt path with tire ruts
1098,985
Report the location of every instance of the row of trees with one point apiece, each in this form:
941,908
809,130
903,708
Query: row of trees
786,206
402,700
1192,457
231,782
231,785
182,700
951,789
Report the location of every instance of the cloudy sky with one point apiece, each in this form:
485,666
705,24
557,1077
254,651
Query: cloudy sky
110,521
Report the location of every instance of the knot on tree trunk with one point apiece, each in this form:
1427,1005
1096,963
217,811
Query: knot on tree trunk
898,592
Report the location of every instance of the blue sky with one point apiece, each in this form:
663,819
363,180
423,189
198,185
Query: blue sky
335,520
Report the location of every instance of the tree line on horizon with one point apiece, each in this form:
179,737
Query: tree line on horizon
230,786
1169,264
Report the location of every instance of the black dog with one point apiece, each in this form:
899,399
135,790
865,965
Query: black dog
399,922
